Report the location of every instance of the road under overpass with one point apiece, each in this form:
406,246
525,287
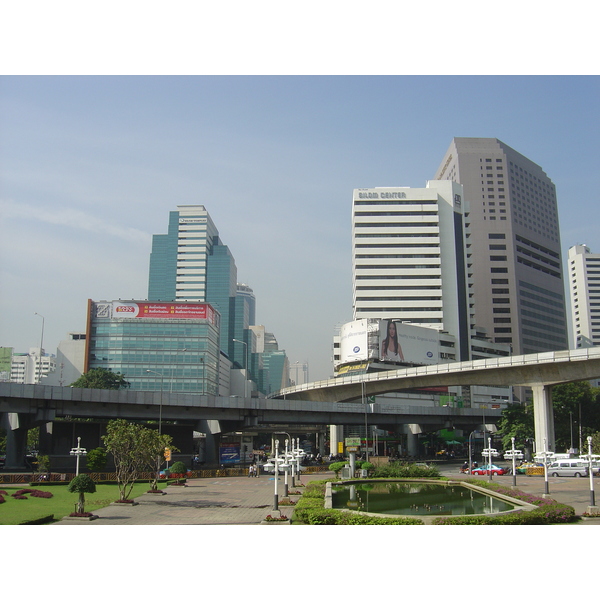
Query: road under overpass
321,403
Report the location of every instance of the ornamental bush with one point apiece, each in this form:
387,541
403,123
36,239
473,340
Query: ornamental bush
178,467
409,470
336,467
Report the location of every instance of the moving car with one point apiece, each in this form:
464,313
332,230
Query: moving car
485,470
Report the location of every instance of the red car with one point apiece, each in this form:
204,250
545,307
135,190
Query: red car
485,470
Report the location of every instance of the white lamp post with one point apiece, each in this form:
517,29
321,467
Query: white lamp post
490,458
276,498
78,451
514,466
286,468
298,458
546,491
293,463
592,497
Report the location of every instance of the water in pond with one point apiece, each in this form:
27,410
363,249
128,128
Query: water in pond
428,499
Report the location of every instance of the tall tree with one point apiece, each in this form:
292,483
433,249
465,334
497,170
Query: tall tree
516,422
575,405
101,379
122,441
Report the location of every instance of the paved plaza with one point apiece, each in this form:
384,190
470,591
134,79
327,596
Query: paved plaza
248,500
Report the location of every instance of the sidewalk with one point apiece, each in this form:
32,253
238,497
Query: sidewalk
214,501
248,500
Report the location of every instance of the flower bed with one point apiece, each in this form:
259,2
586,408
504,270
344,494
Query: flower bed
548,511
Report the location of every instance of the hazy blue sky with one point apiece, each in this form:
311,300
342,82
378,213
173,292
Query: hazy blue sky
91,167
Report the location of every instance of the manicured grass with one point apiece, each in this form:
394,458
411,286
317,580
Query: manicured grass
62,503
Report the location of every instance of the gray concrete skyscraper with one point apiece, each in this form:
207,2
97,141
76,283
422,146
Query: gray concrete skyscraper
514,244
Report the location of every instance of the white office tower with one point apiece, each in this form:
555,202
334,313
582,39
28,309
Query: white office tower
517,279
584,279
409,258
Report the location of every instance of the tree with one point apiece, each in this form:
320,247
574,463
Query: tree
135,448
516,422
569,401
96,459
101,379
82,484
152,447
122,441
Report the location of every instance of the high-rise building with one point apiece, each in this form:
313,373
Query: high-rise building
584,280
408,258
160,346
514,243
411,268
191,264
178,262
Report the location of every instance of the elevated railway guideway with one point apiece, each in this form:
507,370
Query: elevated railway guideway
539,371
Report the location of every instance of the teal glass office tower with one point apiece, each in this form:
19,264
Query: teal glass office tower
190,264
160,346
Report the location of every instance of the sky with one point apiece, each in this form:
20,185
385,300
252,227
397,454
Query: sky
104,130
92,165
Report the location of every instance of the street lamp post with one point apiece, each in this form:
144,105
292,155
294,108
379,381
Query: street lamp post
161,399
246,377
286,448
546,491
592,497
41,349
276,497
490,458
78,451
514,466
285,465
292,463
298,458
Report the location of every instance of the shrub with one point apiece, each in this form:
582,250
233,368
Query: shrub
82,484
178,467
336,467
96,460
408,470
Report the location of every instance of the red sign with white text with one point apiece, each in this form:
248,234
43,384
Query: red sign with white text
163,310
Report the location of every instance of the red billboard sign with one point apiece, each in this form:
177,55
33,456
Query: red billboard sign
163,310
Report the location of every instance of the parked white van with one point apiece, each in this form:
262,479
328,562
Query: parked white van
568,468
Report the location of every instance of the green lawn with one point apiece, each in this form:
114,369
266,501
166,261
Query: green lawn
62,503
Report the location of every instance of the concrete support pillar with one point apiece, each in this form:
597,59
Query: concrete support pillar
336,434
213,436
543,418
412,438
321,442
16,440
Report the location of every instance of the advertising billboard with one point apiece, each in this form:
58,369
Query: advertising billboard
354,341
157,310
403,343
